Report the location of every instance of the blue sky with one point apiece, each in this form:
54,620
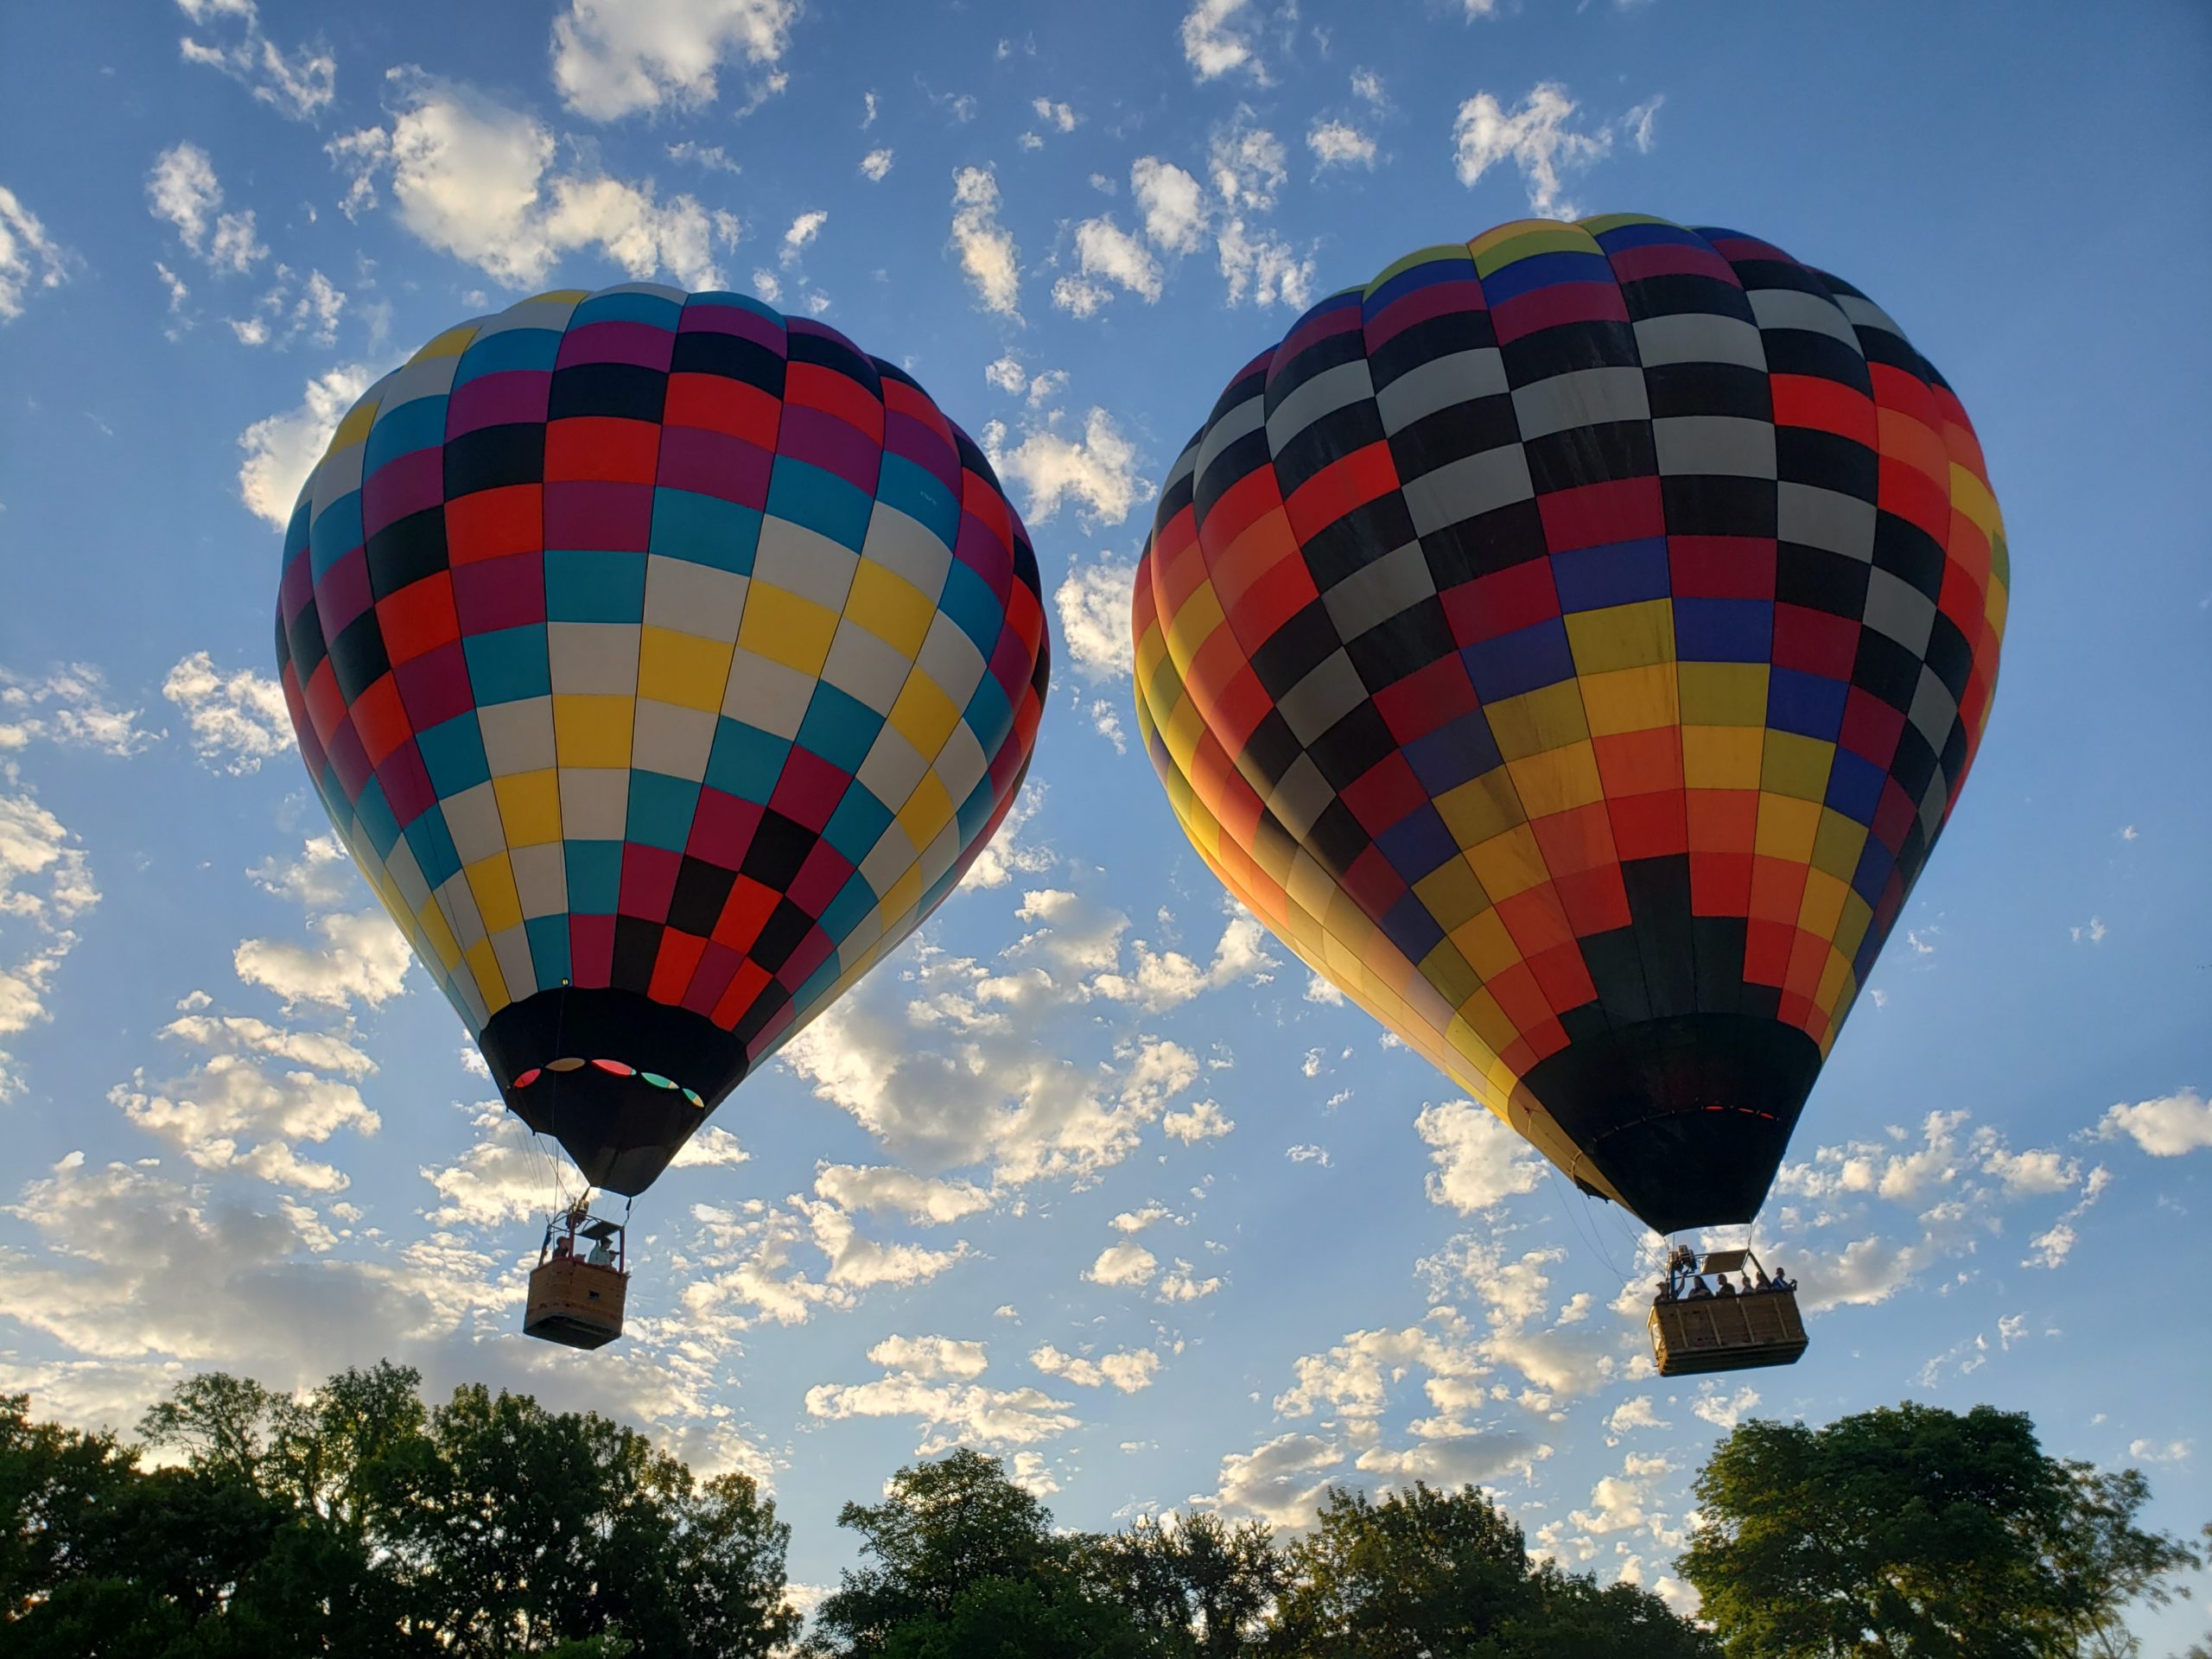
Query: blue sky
998,1197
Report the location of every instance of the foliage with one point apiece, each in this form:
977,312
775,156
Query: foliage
353,1522
1425,1574
358,1523
1912,1532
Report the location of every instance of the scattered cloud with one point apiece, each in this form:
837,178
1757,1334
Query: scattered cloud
2091,932
68,707
2165,1128
612,58
46,883
297,85
1104,250
1219,37
1537,137
899,1191
1130,1371
1204,1121
1173,204
236,720
803,230
987,254
1097,471
183,190
475,178
1058,116
1480,1162
281,449
876,163
1263,268
1338,144
933,1380
1126,1264
30,258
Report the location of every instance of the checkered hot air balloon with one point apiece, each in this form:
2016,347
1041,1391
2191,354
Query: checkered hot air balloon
663,662
1572,645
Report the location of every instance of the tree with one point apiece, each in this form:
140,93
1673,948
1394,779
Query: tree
1427,1574
962,1563
1199,1588
1913,1532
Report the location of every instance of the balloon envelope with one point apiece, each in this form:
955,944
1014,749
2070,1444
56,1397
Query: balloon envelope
1572,645
662,663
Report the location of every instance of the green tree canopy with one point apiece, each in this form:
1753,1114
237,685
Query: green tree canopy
1911,1532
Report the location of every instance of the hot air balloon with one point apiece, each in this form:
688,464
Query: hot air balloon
663,661
1572,644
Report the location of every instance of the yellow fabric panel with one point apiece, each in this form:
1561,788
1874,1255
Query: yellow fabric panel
1536,721
1794,765
1509,863
786,628
1787,827
1722,757
684,668
927,810
1631,700
1482,807
924,716
530,806
592,731
484,967
1722,694
492,880
1622,636
1557,780
1451,892
452,343
1200,615
1488,948
890,608
1822,908
432,921
1837,847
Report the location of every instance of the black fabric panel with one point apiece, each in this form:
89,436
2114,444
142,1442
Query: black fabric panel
1688,1118
493,457
621,1131
731,356
407,551
627,391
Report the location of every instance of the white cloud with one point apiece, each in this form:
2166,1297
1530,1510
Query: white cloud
930,1357
281,449
1181,1284
1130,1371
322,1051
953,1412
296,85
1126,1264
1007,375
236,720
1097,471
1248,164
45,882
876,163
507,1176
1008,854
1338,144
474,178
1536,138
1305,1154
212,1113
996,1092
1639,123
1058,116
1724,1413
765,285
2156,1451
1632,1414
1168,979
2091,934
1318,990
358,954
987,253
712,157
29,256
68,707
899,1191
1280,1481
1204,1121
1217,37
1173,204
2164,1128
860,1263
613,58
1093,605
1104,249
1480,1162
1263,267
182,189
1366,83
1451,1455
804,230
